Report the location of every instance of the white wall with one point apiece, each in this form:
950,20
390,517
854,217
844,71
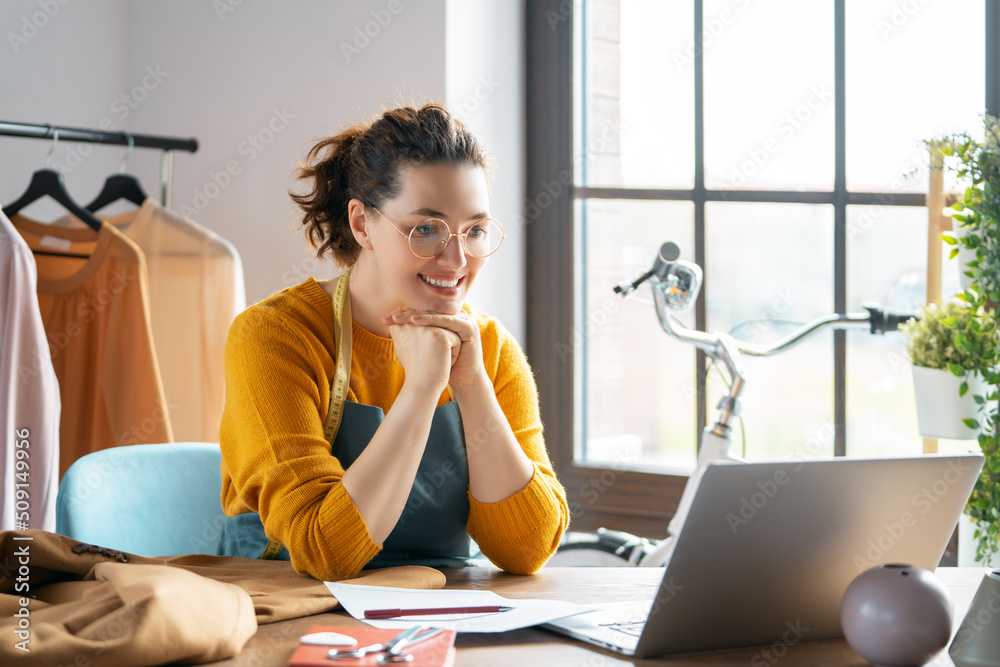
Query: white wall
257,83
484,67
67,69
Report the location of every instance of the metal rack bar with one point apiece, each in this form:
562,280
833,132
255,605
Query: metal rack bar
166,177
167,144
36,131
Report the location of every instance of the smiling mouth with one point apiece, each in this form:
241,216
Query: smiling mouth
446,284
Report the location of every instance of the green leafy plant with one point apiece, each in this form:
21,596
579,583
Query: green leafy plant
977,161
948,337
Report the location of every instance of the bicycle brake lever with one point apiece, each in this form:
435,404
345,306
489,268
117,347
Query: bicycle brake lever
884,321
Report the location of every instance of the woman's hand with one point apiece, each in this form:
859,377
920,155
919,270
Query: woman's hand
427,354
468,368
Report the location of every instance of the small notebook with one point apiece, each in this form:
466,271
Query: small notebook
438,651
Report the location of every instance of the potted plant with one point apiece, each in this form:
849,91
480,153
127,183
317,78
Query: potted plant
977,161
942,346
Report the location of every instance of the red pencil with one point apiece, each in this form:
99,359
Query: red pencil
396,613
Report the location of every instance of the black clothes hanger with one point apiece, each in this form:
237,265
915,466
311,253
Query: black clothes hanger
119,186
60,254
48,182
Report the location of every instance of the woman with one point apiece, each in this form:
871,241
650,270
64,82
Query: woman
439,437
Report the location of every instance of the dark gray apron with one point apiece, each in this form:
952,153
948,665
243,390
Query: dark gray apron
432,528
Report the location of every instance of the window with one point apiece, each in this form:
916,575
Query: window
779,144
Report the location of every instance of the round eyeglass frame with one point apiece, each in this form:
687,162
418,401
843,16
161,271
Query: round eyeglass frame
461,236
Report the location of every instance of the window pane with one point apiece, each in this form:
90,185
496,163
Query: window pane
915,71
886,264
636,125
639,403
769,269
769,107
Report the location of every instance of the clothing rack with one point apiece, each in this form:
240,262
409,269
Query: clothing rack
167,144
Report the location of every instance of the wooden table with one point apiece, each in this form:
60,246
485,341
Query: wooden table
273,643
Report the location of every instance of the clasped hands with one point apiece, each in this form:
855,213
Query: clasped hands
437,349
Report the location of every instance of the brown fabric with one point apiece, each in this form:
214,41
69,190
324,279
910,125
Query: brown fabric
135,615
119,609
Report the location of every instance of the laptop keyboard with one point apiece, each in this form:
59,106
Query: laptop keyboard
631,628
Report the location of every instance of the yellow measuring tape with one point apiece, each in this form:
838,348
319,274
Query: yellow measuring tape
341,376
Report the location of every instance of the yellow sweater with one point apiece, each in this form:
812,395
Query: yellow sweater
275,460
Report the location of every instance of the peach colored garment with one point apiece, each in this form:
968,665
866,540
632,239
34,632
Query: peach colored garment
195,289
96,316
29,395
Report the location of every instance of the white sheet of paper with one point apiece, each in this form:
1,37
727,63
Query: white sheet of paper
525,613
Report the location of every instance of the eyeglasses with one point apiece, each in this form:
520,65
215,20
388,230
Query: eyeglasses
431,237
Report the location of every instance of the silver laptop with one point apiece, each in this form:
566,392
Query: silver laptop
768,550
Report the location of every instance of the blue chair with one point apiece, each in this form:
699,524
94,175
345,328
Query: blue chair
148,500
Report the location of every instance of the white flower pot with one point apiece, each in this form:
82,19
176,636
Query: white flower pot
967,545
940,410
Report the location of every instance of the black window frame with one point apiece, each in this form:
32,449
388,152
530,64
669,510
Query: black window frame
639,501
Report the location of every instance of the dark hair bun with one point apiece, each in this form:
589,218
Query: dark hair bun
364,162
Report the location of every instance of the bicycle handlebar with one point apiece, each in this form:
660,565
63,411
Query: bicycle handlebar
878,320
724,348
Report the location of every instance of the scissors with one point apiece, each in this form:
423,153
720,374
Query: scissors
392,648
